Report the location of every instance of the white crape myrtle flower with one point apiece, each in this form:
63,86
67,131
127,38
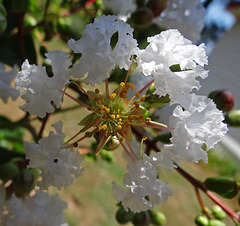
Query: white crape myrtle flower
171,48
39,89
41,209
196,123
122,8
59,167
186,15
6,78
142,189
98,58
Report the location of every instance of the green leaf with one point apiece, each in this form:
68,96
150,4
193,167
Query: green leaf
175,68
225,187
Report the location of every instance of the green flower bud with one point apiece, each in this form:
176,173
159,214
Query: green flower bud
141,219
3,10
201,220
224,99
157,218
123,216
214,222
226,187
142,18
8,171
233,118
3,23
218,212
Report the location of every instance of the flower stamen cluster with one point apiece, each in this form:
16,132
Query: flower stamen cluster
112,116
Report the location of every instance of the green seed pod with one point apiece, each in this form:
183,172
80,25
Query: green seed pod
201,220
3,23
215,222
226,187
157,217
141,219
218,212
233,118
123,216
3,10
8,171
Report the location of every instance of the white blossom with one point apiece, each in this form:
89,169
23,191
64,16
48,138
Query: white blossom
98,58
196,123
39,89
6,78
185,15
142,189
171,48
59,167
41,209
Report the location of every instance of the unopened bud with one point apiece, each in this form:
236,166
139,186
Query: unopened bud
218,212
123,216
215,222
141,219
201,220
157,217
232,118
26,180
142,18
224,99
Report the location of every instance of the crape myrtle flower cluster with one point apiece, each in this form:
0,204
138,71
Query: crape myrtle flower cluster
175,64
185,15
40,209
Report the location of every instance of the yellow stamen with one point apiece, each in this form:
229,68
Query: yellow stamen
104,127
148,120
122,84
107,110
112,117
119,127
137,94
142,99
112,96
